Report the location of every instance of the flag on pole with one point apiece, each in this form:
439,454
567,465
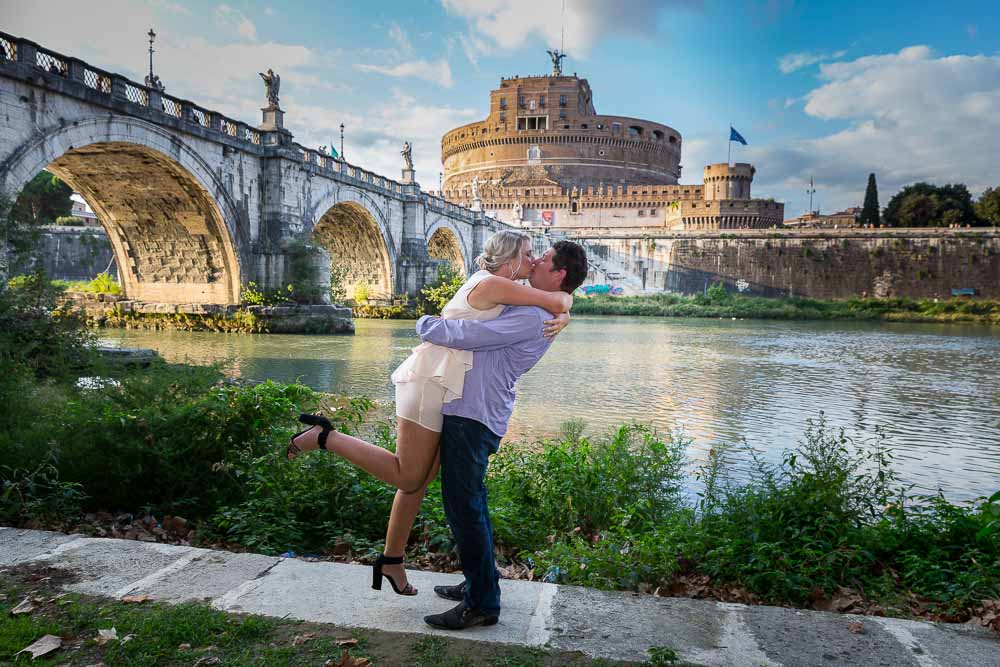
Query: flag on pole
736,136
333,151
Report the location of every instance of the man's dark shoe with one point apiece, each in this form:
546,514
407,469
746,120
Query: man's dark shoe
460,618
456,592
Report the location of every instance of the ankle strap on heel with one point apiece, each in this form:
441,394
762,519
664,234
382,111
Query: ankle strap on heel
390,560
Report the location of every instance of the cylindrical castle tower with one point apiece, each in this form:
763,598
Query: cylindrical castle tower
728,181
543,131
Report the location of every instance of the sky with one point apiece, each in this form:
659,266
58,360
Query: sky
833,90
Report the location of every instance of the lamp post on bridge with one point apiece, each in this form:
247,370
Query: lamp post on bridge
153,81
342,142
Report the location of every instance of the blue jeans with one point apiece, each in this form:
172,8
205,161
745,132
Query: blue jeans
466,446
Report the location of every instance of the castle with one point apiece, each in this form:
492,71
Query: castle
544,157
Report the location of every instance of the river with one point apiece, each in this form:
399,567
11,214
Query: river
933,389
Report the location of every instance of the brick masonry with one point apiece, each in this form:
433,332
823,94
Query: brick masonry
823,264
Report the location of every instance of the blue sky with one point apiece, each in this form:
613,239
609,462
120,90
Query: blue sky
909,90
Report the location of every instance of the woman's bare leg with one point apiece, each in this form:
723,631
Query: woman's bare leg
407,469
405,507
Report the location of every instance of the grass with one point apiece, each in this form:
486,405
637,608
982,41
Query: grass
721,304
166,635
605,512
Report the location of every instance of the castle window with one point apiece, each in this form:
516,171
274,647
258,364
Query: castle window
634,131
503,102
520,101
565,127
562,115
583,126
652,211
573,207
600,126
673,139
616,127
503,116
562,100
541,101
532,104
600,152
658,135
642,213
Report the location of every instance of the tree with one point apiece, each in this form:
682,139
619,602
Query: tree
42,200
988,206
952,205
869,211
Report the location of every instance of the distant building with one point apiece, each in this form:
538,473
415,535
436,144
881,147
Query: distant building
544,157
83,211
849,217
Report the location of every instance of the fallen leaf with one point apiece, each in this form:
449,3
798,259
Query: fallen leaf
207,660
127,638
184,647
347,643
857,627
104,636
347,660
43,646
137,598
303,638
26,606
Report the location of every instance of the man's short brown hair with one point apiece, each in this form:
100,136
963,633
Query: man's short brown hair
573,258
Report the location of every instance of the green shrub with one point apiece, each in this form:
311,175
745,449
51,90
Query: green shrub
440,292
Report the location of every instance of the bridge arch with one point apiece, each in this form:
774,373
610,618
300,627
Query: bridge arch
359,248
445,242
170,221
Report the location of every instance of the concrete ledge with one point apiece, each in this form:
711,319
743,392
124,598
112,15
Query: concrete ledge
601,624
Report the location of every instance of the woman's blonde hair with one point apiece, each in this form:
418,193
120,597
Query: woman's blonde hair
500,248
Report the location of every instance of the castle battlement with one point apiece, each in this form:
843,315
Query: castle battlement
544,156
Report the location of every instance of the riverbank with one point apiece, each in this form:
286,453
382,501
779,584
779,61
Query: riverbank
173,454
179,454
717,303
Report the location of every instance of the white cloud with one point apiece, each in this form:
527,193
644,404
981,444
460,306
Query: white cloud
406,63
438,72
511,24
907,116
373,139
234,21
795,61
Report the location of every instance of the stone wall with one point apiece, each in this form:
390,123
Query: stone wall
823,264
72,253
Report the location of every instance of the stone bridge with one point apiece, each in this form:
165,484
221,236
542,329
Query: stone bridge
196,205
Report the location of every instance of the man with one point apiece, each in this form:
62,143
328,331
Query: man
503,349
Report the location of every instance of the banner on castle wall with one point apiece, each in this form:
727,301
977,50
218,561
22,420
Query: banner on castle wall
548,217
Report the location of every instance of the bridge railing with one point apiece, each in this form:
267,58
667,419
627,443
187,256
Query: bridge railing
116,87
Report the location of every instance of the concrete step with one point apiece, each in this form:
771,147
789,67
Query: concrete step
601,624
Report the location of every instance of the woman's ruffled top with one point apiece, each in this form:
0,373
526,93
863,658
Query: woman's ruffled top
444,365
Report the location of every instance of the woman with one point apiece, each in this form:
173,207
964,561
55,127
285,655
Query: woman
430,377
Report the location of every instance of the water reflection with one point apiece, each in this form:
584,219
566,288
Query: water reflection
934,389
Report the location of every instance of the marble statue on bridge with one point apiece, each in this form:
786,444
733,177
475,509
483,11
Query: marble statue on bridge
272,84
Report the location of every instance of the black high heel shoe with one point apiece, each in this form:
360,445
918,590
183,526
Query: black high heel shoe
311,421
377,575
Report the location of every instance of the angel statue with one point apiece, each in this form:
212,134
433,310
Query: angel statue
475,187
272,83
557,59
407,154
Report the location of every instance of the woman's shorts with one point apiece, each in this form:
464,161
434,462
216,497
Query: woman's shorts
420,401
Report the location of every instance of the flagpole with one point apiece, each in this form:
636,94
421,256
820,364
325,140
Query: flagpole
729,159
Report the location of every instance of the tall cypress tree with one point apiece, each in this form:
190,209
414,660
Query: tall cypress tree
869,211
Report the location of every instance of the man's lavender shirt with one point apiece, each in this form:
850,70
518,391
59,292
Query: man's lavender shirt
503,349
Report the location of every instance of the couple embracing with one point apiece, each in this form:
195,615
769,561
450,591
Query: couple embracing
454,397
